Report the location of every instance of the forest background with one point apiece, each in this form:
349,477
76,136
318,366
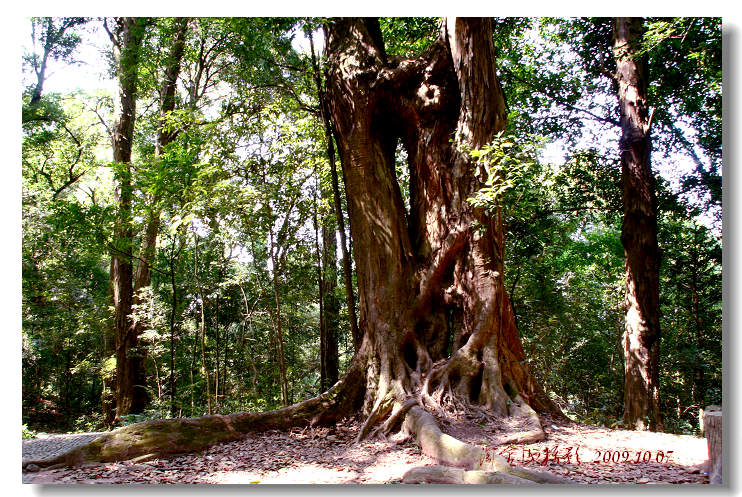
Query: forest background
545,321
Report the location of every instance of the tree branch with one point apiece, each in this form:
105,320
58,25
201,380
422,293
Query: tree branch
113,248
562,102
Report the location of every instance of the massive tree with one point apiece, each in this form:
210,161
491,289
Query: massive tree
439,335
436,319
641,339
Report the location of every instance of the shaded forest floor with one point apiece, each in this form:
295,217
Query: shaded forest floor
584,454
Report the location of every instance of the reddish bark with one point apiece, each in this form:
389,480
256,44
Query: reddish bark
427,278
131,394
641,338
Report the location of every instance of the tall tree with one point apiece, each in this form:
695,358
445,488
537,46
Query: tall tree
429,279
329,304
641,338
683,57
131,392
57,42
165,135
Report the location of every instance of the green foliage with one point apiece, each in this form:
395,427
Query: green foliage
53,39
508,163
26,433
89,423
685,64
248,164
408,36
64,273
691,320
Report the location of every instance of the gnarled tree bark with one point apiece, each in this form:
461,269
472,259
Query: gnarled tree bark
641,337
437,325
429,280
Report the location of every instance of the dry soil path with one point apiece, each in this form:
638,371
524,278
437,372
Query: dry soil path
330,455
47,447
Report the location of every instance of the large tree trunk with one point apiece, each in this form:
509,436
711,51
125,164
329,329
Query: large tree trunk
428,280
131,394
438,328
641,338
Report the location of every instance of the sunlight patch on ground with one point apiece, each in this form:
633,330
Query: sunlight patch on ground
306,473
388,467
686,450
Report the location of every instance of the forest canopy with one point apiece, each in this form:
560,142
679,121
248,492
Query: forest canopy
203,232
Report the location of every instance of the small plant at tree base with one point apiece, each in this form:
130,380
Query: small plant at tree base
27,433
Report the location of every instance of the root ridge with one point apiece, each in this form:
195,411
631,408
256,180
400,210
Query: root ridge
461,462
447,474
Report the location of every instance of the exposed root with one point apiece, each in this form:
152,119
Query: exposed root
452,393
520,409
396,417
168,436
445,474
381,409
450,451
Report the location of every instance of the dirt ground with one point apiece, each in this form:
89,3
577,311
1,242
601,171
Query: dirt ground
583,454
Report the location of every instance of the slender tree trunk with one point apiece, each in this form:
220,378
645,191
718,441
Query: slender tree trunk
331,303
131,393
641,340
190,372
143,277
204,368
108,377
52,36
158,381
347,270
165,136
699,383
40,70
192,369
278,325
216,354
321,294
173,308
248,322
224,364
329,306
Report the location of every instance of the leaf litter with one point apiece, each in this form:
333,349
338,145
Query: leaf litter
331,455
